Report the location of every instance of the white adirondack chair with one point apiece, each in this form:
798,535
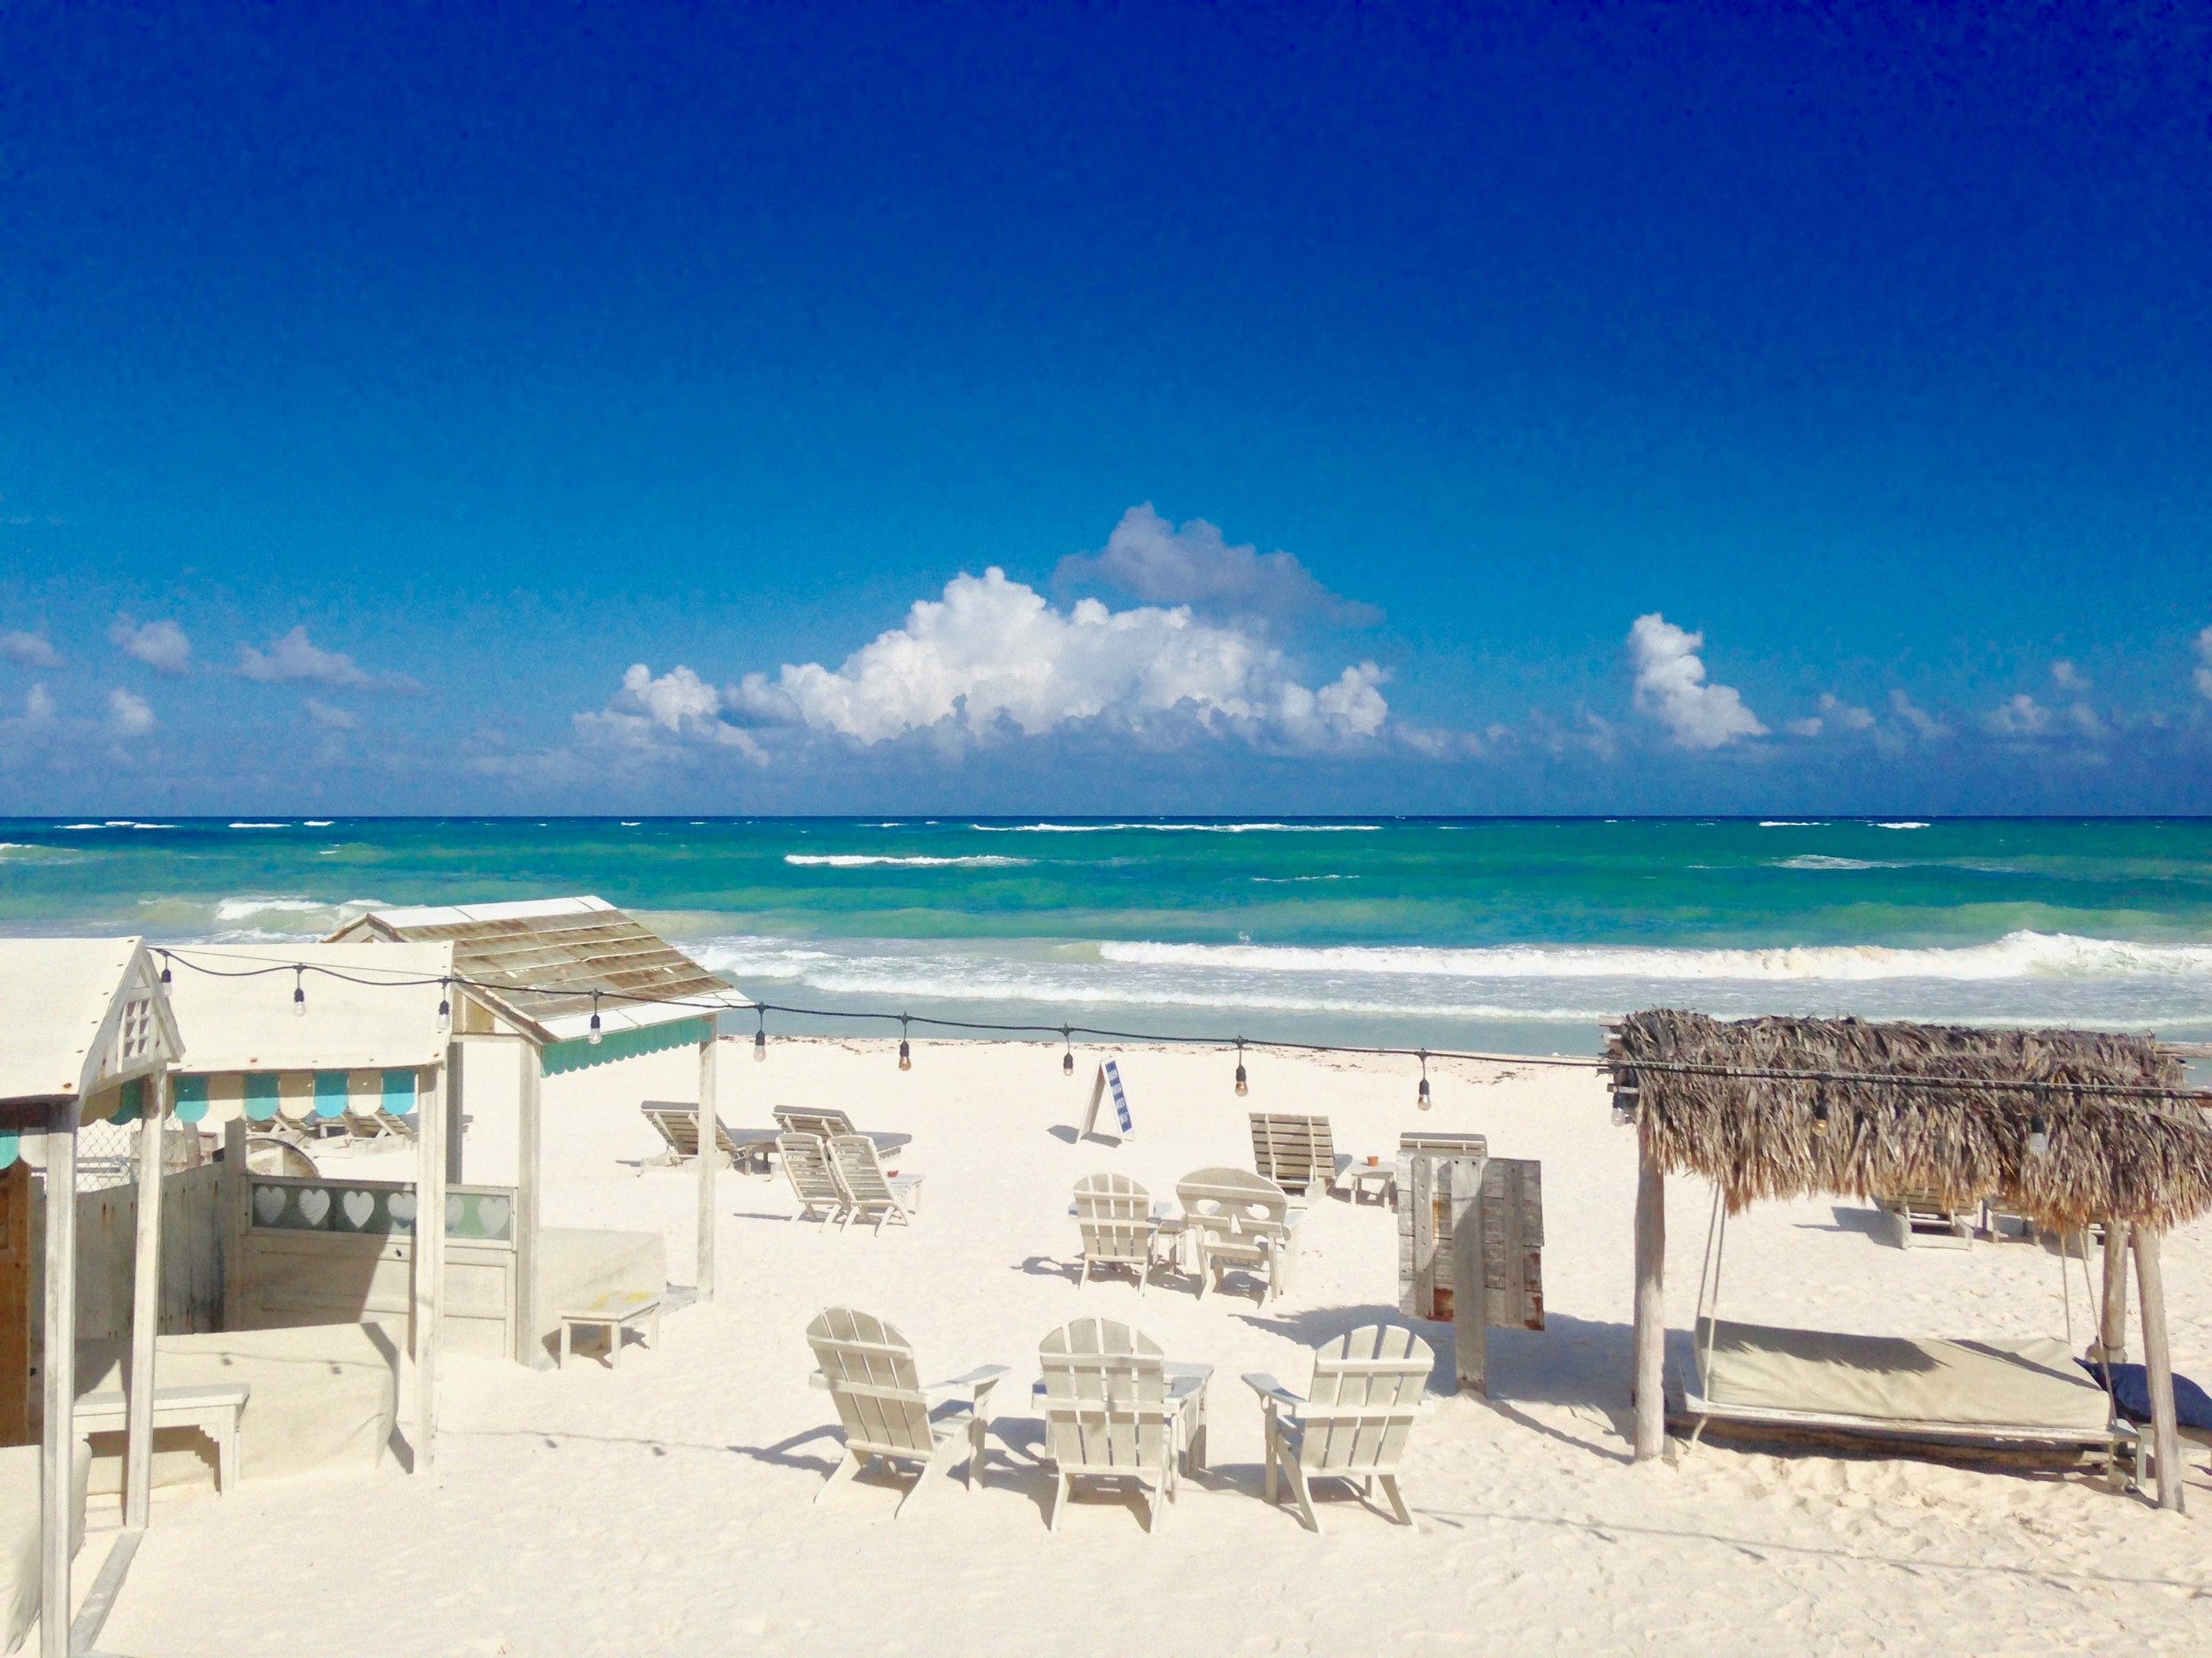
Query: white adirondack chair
1369,1388
1237,1219
888,1412
1115,1409
870,1194
806,1164
1114,1215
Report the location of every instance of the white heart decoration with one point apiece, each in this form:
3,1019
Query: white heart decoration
314,1204
452,1213
491,1215
401,1206
358,1207
268,1203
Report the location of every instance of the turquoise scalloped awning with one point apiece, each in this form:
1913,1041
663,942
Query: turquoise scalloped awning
580,1052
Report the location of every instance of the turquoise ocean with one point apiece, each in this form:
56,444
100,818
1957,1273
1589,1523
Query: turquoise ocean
1519,935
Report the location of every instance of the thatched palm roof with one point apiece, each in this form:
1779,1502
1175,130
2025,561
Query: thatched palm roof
1872,1109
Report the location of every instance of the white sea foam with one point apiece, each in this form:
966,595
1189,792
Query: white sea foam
2016,955
861,860
1900,826
153,825
1782,823
1820,861
319,822
254,918
261,826
1293,880
1176,828
83,826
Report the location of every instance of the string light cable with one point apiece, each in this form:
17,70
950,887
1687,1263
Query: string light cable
2121,1094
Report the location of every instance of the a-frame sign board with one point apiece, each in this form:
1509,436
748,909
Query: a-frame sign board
1108,1081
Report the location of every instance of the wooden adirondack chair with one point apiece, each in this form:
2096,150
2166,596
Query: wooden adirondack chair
1114,1215
806,1164
1237,1219
870,1194
888,1412
1369,1388
1297,1152
1115,1409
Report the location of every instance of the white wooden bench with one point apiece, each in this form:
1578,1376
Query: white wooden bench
615,1312
213,1410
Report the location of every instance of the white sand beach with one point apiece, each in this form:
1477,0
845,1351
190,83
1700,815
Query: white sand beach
668,1507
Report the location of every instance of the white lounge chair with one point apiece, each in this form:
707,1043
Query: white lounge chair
678,1125
1297,1152
888,1412
827,1124
814,1182
1115,1409
1114,1215
870,1194
1236,1218
1368,1390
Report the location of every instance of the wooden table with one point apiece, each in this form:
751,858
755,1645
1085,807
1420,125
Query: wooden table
614,1312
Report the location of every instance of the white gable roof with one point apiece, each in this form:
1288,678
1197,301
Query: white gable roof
80,1014
369,1006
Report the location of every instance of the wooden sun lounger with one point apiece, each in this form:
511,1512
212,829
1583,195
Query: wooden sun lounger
679,1126
1297,1152
1923,1220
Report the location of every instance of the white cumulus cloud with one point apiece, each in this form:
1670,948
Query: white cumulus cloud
129,715
2018,715
38,706
1922,724
33,651
162,646
296,658
651,717
2204,656
331,718
992,655
1149,558
1671,687
2067,677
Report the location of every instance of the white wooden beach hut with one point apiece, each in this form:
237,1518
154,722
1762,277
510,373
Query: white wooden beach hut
89,1037
574,983
293,1033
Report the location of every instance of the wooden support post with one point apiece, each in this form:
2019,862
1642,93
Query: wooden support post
451,1133
1471,1300
2158,1368
429,1266
1651,1302
529,1348
138,1444
2112,1330
237,1218
710,1159
57,1482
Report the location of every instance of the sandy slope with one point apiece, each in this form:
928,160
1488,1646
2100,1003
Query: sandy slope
669,1507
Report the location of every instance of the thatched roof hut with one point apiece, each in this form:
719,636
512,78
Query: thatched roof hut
2065,1127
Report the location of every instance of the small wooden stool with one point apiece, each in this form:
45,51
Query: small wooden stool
214,1411
615,1313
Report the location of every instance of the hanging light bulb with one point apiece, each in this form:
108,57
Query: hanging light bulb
299,993
906,1054
1422,1099
760,1035
1067,1060
165,967
1820,1115
445,1004
2038,1136
1242,1089
594,1037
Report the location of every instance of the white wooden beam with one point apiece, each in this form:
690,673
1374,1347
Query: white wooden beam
138,1451
528,1348
58,1489
2158,1367
709,1157
1651,1300
429,1265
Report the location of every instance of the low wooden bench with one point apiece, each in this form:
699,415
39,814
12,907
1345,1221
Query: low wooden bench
213,1410
615,1312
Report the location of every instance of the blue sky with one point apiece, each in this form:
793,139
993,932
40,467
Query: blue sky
552,410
